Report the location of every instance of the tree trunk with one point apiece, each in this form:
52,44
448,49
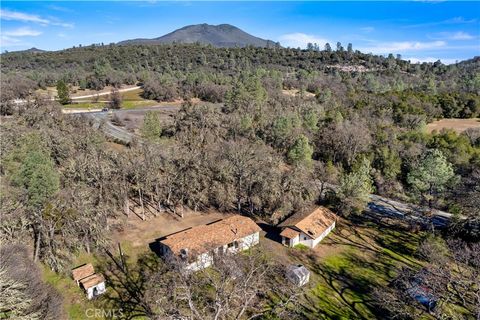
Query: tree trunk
127,205
87,245
37,244
141,204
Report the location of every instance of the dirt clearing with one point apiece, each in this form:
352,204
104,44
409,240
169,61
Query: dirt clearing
139,233
458,125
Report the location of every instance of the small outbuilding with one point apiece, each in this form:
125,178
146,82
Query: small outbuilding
82,272
94,285
298,274
86,278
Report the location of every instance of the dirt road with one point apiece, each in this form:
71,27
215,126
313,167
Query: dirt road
105,93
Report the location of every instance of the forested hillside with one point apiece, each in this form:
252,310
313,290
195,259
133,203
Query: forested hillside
356,126
170,71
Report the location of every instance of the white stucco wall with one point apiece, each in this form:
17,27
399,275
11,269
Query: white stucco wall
249,241
306,240
323,235
206,259
100,289
203,261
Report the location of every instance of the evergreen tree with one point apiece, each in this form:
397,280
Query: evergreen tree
152,129
355,188
63,94
431,175
301,151
115,99
38,176
350,48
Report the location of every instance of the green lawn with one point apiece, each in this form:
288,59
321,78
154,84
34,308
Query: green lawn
353,261
75,301
85,105
138,104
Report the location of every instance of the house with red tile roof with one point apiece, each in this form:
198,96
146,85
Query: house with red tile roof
197,246
308,227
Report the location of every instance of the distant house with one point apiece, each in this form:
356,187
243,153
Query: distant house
197,246
91,282
298,274
307,228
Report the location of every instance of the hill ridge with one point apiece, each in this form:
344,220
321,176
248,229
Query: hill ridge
221,35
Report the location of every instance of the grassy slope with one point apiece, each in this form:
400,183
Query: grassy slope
75,301
360,259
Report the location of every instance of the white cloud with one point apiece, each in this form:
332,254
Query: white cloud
22,32
26,17
20,16
460,20
431,1
58,8
404,46
431,59
455,20
367,29
298,39
461,36
6,41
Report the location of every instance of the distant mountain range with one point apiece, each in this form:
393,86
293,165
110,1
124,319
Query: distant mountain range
222,35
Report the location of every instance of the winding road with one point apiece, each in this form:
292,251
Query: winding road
102,121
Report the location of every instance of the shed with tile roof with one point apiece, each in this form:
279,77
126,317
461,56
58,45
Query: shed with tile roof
85,277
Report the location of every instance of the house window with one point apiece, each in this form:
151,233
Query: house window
304,238
183,254
233,244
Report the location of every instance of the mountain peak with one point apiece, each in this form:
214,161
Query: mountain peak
222,35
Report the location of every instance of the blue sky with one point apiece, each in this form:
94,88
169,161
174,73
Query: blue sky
418,30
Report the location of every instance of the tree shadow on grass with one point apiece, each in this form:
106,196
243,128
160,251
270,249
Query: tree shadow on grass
126,284
374,254
349,290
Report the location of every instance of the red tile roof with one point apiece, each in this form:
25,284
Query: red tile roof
312,223
92,280
82,271
201,239
289,233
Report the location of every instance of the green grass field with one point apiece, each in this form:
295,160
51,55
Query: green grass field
131,100
357,259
